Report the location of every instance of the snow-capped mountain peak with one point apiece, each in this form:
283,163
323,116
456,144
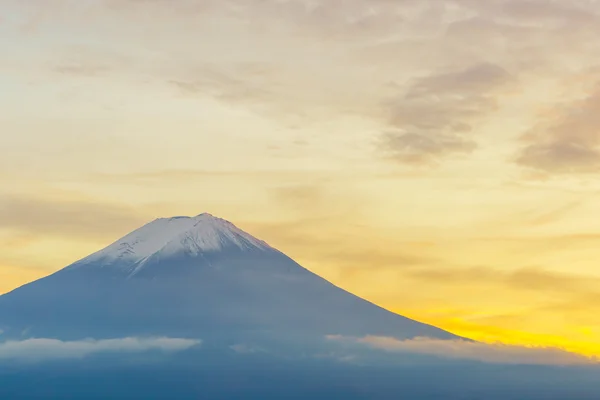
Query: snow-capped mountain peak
201,234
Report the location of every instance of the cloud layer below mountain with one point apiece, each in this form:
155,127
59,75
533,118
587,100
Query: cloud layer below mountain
52,349
474,351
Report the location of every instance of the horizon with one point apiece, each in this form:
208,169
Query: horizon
438,159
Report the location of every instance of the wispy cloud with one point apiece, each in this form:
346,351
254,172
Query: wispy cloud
567,141
488,353
535,279
52,349
435,117
60,217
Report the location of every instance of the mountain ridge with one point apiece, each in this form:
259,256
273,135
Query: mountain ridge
195,277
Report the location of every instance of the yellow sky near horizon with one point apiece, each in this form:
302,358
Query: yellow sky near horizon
439,158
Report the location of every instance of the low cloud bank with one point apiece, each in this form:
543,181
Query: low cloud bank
52,349
476,351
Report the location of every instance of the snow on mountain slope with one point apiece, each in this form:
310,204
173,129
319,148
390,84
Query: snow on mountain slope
194,235
194,277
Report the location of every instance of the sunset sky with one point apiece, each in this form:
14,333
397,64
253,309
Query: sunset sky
440,158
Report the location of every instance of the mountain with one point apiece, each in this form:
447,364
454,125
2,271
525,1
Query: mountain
199,277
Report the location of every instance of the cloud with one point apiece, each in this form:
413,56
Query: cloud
522,278
567,141
71,218
82,61
419,148
447,60
435,117
331,240
313,198
52,349
466,350
187,176
526,299
300,196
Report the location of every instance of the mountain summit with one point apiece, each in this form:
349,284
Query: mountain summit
194,277
177,236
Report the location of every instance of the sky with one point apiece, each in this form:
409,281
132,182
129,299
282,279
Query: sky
437,157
